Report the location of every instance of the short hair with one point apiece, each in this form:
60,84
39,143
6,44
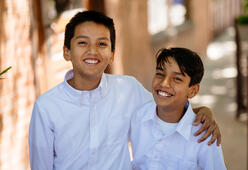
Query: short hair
87,16
188,61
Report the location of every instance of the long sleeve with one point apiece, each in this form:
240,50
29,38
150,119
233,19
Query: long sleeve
211,158
144,95
41,139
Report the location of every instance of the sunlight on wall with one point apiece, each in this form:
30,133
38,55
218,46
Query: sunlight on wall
211,100
157,16
218,90
231,107
177,14
218,50
229,72
162,15
204,100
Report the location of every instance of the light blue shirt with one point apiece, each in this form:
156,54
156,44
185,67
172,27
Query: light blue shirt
85,130
178,151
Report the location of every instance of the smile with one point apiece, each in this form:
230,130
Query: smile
91,61
163,93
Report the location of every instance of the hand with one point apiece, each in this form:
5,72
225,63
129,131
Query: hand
205,116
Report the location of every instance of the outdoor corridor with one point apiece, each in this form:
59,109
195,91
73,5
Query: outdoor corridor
218,91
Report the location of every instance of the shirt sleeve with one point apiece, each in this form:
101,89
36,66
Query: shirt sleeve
144,95
41,139
133,131
211,157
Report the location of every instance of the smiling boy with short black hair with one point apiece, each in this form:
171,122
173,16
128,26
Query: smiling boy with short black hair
161,131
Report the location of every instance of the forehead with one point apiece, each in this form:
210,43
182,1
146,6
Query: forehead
168,62
92,28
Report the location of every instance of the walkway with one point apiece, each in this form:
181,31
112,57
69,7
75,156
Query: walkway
218,92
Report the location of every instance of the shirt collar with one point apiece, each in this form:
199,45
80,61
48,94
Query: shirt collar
184,125
94,94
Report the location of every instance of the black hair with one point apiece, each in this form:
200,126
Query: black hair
188,61
85,16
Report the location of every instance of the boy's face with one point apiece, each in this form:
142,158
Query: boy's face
170,87
90,51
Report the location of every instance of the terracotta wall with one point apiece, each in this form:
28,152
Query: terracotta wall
197,34
17,91
133,51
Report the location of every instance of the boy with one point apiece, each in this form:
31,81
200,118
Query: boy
161,131
84,122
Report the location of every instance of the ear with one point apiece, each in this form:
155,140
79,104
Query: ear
193,90
66,53
112,57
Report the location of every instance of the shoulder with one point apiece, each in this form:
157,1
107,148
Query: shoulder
129,87
121,79
49,95
208,155
144,112
196,138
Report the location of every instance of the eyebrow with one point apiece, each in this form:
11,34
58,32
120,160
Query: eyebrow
177,73
83,36
160,68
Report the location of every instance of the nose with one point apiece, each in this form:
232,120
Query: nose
166,82
92,49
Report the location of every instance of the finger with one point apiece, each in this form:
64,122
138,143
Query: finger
218,140
203,127
217,133
212,140
207,134
199,118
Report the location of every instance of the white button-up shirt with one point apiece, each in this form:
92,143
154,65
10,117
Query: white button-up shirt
178,151
85,130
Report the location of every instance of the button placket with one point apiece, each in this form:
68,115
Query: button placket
93,136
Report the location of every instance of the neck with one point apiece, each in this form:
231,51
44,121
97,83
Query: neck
85,83
170,115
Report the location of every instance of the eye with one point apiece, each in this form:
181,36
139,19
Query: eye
159,74
102,44
82,43
177,79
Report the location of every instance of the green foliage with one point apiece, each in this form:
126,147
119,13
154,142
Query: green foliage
243,19
4,71
245,7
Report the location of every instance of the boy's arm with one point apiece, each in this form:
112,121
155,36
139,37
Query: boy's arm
204,115
40,142
211,158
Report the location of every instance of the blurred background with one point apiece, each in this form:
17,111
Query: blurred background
31,41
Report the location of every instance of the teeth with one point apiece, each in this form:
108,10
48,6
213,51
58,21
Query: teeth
161,93
91,61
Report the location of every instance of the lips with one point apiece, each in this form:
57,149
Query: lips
164,93
91,61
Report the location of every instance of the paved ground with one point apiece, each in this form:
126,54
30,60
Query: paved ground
218,92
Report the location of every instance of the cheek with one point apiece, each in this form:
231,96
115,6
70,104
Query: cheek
107,54
154,83
76,52
183,91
